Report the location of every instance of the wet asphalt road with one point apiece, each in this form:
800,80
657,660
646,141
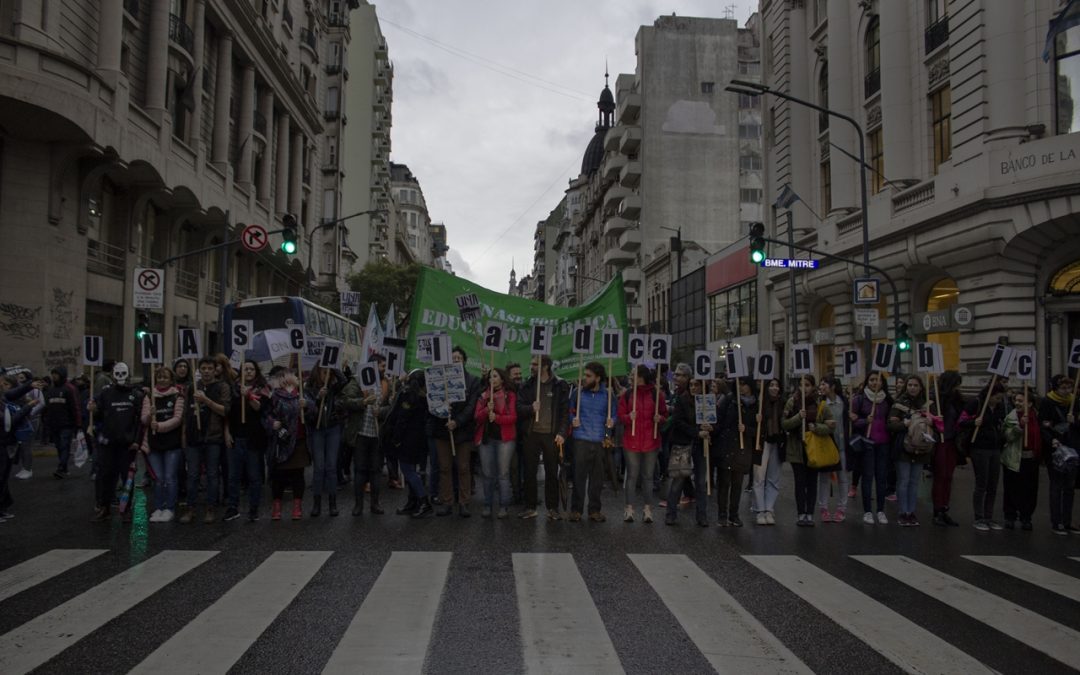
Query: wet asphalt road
478,626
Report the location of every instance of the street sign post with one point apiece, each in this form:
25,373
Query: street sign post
149,288
867,291
791,263
254,238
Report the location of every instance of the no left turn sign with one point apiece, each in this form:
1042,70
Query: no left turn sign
254,238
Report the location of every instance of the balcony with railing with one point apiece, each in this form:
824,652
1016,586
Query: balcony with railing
337,19
105,259
213,293
937,34
187,284
308,39
180,34
872,83
333,68
286,18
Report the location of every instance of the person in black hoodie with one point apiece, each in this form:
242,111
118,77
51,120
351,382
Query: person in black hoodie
120,408
1061,424
63,416
462,424
406,424
986,452
245,440
542,438
14,424
735,443
687,449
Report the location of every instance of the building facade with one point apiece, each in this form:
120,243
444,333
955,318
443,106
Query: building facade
972,145
440,247
136,131
411,225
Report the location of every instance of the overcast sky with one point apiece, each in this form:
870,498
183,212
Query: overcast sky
494,103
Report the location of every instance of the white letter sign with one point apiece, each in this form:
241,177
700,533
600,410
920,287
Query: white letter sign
1000,361
495,336
765,366
540,344
703,365
1025,364
637,347
660,348
583,338
151,348
93,346
802,359
611,344
191,343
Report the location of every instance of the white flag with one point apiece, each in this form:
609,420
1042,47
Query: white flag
373,335
391,323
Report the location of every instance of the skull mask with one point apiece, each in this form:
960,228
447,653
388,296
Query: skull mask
120,373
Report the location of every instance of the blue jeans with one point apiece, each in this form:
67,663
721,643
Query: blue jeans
244,458
675,489
495,459
412,479
210,453
324,445
908,475
875,470
63,438
767,478
166,464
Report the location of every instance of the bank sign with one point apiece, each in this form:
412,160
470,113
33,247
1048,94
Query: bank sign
950,319
790,263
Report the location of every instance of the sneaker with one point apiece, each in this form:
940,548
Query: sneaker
760,520
890,498
210,516
1060,530
735,521
575,517
770,518
913,520
597,517
155,517
6,516
24,475
231,514
529,514
646,516
166,516
868,518
552,515
939,519
502,514
851,493
826,517
628,514
882,520
188,515
1072,530
840,516
486,512
722,520
101,514
59,474
995,525
684,502
982,526
662,504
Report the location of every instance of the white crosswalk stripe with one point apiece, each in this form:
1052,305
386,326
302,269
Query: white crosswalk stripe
46,566
561,628
391,631
1053,639
898,639
731,639
220,635
1040,576
40,639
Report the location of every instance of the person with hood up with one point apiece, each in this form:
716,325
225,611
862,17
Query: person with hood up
62,416
407,433
287,453
163,416
640,447
119,407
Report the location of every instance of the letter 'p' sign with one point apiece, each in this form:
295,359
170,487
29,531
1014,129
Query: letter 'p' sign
93,346
297,338
703,365
852,366
637,347
331,355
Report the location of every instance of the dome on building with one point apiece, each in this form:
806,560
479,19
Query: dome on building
607,100
594,154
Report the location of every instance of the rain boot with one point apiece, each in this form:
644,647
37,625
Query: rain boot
316,509
332,502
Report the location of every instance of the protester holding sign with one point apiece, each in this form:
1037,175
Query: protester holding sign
163,415
458,453
546,419
16,417
687,449
768,462
804,415
363,405
637,407
1060,425
986,415
1020,462
589,423
496,431
406,423
245,440
734,444
205,436
869,421
120,409
287,453
832,395
947,452
911,424
325,417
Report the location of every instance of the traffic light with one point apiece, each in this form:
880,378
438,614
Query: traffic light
288,235
903,339
143,326
757,243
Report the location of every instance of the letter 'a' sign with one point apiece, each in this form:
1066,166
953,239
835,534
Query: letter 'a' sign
583,338
736,363
852,363
1074,354
703,365
660,348
368,377
802,359
611,344
297,338
331,354
1025,364
884,357
151,346
241,334
495,336
191,343
765,366
1000,361
540,343
92,348
637,347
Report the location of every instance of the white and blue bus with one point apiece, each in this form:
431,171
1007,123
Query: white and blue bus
283,311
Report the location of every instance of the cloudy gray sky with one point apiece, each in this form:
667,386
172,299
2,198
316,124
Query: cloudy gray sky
494,103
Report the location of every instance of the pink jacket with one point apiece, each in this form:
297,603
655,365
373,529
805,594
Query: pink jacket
505,414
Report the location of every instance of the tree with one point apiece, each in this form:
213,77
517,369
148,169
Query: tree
385,283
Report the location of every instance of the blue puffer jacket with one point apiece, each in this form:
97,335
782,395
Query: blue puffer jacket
593,414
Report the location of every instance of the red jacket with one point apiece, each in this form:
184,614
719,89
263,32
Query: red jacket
643,440
505,414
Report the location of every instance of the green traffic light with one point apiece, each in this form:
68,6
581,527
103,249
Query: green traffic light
288,247
903,345
757,256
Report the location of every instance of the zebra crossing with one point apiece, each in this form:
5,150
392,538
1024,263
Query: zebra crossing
561,628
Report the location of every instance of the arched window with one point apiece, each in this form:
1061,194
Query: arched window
823,96
943,295
1067,280
824,358
873,58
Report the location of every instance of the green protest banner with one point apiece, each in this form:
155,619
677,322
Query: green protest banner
435,309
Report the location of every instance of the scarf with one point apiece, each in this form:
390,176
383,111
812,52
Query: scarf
1059,399
874,396
748,401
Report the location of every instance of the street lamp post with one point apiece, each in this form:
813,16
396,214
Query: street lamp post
756,88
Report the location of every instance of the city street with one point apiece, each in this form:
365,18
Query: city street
388,594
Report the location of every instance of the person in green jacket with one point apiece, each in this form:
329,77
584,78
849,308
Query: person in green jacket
802,414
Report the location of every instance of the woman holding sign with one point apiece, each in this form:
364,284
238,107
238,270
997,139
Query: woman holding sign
496,432
1023,452
832,394
803,415
640,448
869,421
324,437
1060,425
767,463
946,454
734,443
245,441
987,415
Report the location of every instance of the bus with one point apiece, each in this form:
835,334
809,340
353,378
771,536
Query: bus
283,311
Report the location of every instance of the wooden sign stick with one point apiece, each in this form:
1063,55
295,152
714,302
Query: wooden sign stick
539,374
195,387
803,392
656,406
608,390
580,373
985,405
738,403
761,413
322,401
153,392
633,420
90,427
708,469
937,398
1024,412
